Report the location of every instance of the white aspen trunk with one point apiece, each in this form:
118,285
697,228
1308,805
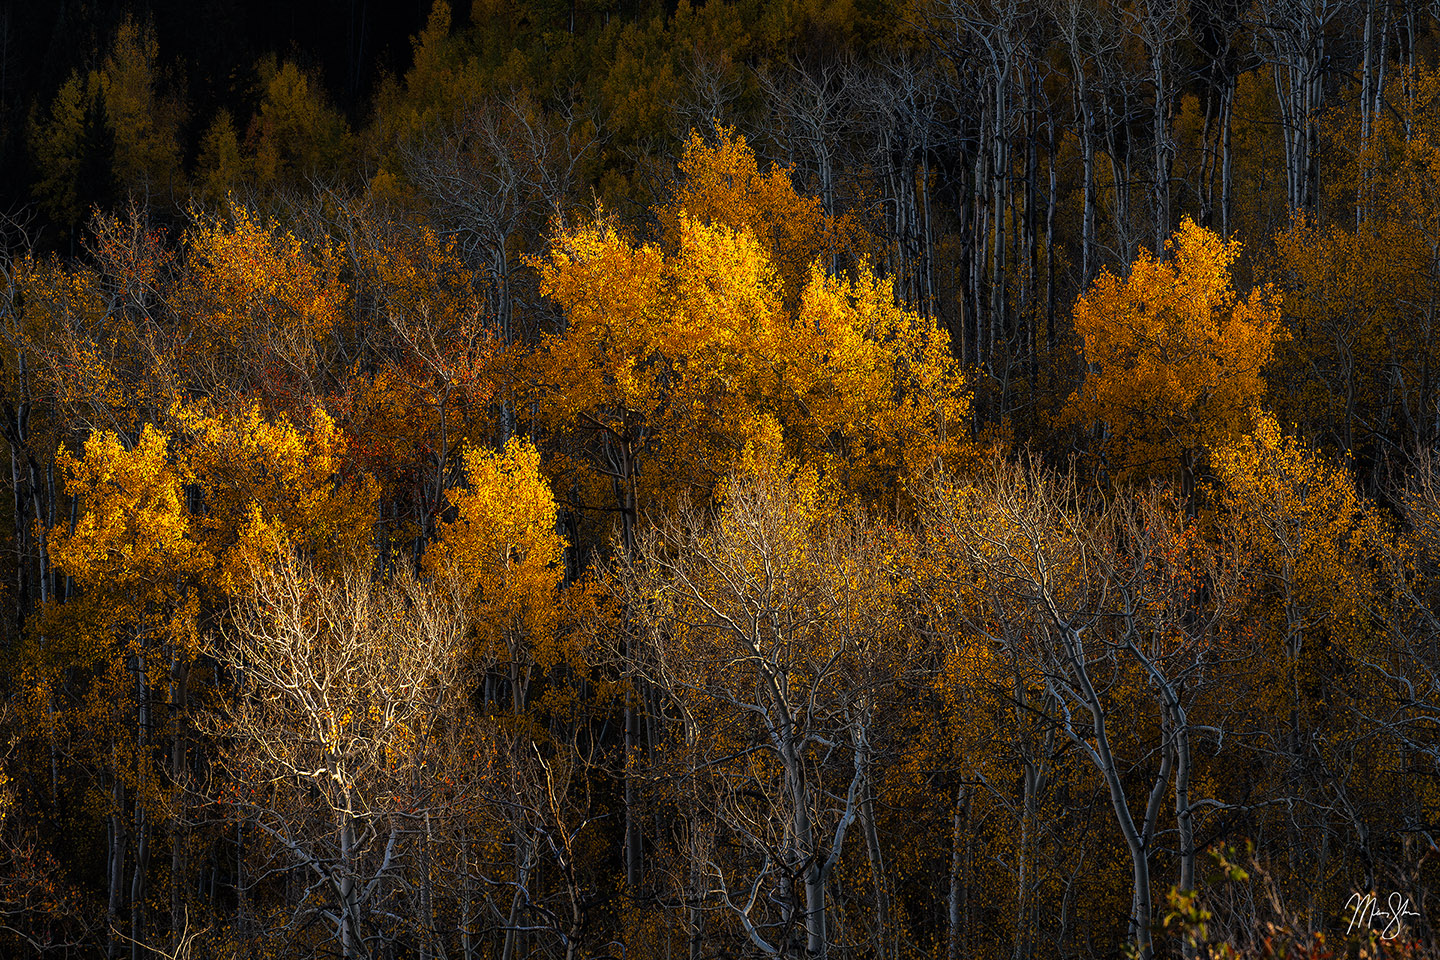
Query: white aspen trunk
1104,760
1051,294
16,488
805,848
1021,947
142,838
955,948
927,249
1088,265
37,494
1183,819
119,843
523,865
467,951
1367,81
505,315
1120,178
1225,159
1029,312
349,921
632,804
980,253
969,352
872,844
427,904
877,873
137,883
178,694
1159,41
999,205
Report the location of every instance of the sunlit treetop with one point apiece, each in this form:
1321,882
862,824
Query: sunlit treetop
1175,355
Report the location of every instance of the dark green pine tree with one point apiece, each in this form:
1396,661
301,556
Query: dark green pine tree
95,172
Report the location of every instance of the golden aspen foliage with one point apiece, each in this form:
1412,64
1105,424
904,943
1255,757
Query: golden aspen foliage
264,304
139,571
605,341
640,86
270,486
626,374
1302,518
1340,298
721,183
503,550
264,484
1260,198
59,312
73,130
1175,355
438,369
684,355
1362,290
1320,560
134,534
1390,175
866,388
415,280
94,343
164,531
1310,541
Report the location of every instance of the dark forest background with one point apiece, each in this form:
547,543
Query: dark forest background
770,478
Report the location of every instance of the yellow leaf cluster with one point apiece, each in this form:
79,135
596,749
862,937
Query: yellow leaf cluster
503,550
1302,519
690,354
256,287
269,485
721,183
134,534
1175,355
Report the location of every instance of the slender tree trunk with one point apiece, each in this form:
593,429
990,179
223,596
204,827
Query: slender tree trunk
967,325
119,845
877,869
1226,192
142,833
633,848
1088,259
350,943
1183,818
1051,294
927,250
1021,946
467,951
22,592
1104,759
981,252
1000,205
179,675
522,883
816,940
957,945
138,884
1029,314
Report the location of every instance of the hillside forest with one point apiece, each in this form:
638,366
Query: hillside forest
756,479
